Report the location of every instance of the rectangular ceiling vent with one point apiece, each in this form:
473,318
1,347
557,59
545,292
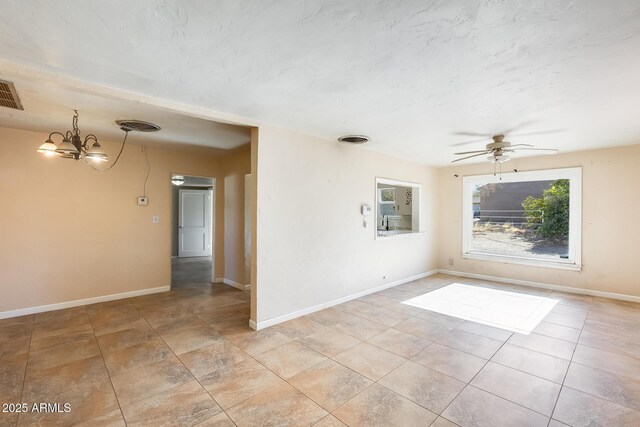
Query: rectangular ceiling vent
9,96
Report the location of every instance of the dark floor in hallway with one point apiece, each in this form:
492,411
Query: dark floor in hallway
188,271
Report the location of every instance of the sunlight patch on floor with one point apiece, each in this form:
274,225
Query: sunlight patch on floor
508,310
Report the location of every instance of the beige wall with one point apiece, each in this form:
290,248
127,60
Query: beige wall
311,245
235,167
69,233
610,221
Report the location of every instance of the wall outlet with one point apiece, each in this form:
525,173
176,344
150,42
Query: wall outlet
155,219
143,201
450,261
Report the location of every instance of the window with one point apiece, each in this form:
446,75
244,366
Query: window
397,207
529,217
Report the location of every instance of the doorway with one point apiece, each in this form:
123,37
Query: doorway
193,228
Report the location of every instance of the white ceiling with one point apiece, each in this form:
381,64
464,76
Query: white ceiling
409,73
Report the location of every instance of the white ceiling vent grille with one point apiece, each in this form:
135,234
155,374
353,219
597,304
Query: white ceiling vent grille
9,96
354,139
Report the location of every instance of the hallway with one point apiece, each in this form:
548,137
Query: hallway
191,271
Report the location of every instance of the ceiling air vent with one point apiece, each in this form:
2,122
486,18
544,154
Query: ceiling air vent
9,96
354,139
137,125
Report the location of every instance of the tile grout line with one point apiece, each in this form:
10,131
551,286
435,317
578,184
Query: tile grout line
104,362
286,380
198,379
469,382
26,365
570,362
337,362
180,360
597,369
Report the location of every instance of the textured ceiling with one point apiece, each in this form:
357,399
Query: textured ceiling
410,74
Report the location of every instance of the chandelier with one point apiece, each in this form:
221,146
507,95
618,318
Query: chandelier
74,147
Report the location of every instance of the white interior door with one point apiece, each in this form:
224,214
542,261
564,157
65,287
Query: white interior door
194,222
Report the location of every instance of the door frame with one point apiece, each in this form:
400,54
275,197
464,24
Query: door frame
214,187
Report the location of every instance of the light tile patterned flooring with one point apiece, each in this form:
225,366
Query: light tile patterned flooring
187,357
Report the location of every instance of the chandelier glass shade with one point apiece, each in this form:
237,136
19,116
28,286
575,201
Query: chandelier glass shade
49,148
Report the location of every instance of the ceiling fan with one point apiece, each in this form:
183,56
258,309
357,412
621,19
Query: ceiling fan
498,150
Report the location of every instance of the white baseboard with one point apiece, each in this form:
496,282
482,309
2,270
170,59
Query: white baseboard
569,289
76,303
234,284
252,325
309,310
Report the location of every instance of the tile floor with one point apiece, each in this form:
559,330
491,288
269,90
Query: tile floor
187,357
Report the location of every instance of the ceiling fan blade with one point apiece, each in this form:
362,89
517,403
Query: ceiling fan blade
520,145
535,149
519,126
543,132
469,142
486,135
468,157
472,152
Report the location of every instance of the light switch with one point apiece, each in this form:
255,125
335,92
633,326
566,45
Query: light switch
155,219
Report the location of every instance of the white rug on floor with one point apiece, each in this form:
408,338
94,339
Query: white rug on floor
513,311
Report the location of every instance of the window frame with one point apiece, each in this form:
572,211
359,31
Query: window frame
416,220
574,175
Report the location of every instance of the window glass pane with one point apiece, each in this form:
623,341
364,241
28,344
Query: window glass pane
528,219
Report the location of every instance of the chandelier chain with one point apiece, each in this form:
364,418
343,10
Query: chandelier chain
74,123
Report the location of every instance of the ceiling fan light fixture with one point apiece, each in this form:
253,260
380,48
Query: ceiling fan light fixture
497,150
499,159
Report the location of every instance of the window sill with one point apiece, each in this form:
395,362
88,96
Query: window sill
506,259
394,234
